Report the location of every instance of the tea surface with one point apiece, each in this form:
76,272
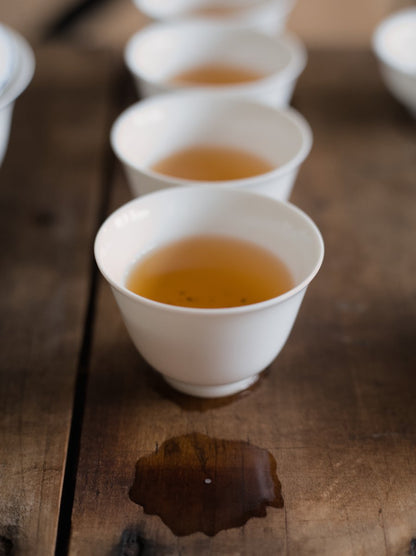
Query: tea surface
215,74
209,272
211,163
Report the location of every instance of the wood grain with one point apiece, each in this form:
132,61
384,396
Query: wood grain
49,194
336,409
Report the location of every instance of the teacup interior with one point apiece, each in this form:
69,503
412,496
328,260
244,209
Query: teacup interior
163,51
157,127
165,216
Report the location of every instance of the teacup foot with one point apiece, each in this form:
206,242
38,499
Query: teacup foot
212,391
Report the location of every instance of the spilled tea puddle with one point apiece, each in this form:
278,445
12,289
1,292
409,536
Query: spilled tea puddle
197,483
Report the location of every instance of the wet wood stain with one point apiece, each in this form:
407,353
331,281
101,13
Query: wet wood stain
197,483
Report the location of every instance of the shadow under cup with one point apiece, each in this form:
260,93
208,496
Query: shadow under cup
208,352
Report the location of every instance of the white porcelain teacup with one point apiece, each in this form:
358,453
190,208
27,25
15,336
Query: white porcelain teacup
208,352
160,52
268,16
163,124
17,65
394,44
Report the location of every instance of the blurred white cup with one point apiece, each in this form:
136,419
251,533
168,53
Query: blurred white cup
157,54
394,44
17,65
268,16
159,126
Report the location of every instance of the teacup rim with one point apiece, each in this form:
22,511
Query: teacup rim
291,114
253,307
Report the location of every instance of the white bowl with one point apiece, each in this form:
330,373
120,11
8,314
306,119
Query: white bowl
394,44
269,16
160,51
155,127
17,73
7,57
208,352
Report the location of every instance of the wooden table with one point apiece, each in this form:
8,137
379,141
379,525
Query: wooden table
336,411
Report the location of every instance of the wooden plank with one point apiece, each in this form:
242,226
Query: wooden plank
325,24
50,189
110,26
33,19
336,410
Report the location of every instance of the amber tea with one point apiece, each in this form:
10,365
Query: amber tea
210,272
218,11
215,74
212,163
